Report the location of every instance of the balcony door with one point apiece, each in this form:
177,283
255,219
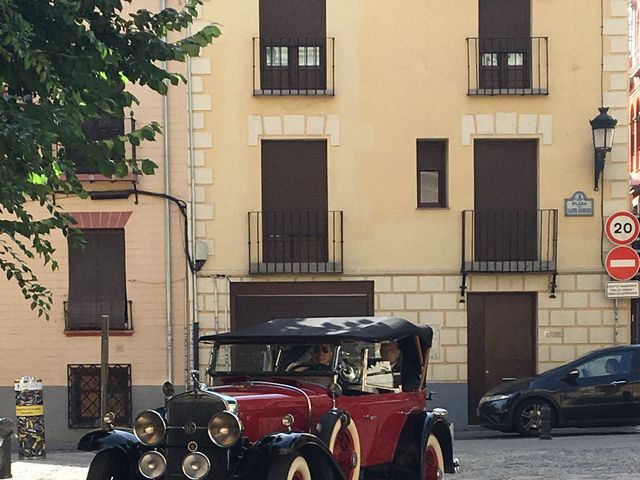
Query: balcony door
506,201
294,201
505,44
293,45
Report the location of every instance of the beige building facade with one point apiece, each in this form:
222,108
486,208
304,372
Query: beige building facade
371,158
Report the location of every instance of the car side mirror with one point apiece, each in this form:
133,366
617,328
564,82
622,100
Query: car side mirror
572,375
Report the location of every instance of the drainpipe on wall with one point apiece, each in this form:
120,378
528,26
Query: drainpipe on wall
193,291
167,225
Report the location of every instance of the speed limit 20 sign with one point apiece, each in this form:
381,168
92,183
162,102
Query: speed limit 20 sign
622,228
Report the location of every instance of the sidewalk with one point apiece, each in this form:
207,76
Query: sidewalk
67,465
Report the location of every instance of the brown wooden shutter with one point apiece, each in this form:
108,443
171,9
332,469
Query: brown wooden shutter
294,175
293,18
505,18
294,200
97,280
293,27
506,200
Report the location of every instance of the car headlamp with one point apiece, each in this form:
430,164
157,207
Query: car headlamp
152,465
225,428
149,427
195,466
495,398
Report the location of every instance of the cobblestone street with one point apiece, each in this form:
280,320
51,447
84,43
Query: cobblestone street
568,456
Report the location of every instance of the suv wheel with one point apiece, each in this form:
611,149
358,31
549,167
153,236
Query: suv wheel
289,467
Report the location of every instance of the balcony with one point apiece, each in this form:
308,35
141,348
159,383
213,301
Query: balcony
301,241
293,66
508,66
102,129
509,241
87,316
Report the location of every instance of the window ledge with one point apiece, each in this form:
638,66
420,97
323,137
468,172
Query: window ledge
97,333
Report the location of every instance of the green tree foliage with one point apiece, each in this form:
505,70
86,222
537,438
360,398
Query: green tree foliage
63,62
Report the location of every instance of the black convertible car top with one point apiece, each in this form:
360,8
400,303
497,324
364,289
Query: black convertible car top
327,330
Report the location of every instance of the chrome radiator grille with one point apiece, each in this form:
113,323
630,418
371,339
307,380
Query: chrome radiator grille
184,412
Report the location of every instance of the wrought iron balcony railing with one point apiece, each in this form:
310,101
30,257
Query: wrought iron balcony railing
293,66
298,241
509,241
83,316
508,66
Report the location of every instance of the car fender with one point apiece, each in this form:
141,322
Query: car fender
548,396
436,423
119,439
310,446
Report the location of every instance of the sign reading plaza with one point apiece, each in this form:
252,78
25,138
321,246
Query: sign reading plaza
578,205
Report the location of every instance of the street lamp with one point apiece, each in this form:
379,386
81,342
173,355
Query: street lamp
603,127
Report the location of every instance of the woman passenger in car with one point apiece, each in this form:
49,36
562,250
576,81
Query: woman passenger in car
321,358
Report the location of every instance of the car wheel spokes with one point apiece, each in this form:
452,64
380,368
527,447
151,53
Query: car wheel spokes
530,417
344,451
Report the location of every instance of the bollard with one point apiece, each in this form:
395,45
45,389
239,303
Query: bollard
545,422
6,432
30,418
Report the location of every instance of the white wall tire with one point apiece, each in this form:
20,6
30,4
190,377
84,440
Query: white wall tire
290,467
345,446
433,468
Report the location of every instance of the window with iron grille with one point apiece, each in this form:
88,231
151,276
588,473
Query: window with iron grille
97,282
432,173
85,393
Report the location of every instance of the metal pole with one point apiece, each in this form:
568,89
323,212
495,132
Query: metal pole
104,368
615,321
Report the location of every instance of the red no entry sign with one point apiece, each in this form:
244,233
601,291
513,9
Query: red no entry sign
622,228
622,263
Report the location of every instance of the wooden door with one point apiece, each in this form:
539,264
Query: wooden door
505,200
501,341
294,201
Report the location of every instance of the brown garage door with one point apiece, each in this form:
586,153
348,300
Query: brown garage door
256,302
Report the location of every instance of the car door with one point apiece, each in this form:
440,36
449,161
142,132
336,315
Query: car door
600,394
635,383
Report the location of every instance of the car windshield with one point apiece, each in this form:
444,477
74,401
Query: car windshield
360,366
281,359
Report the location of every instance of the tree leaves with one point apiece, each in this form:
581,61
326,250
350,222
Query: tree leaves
61,64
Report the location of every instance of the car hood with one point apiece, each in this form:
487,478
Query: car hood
262,405
512,387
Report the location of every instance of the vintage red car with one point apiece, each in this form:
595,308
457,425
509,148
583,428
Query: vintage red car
293,399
